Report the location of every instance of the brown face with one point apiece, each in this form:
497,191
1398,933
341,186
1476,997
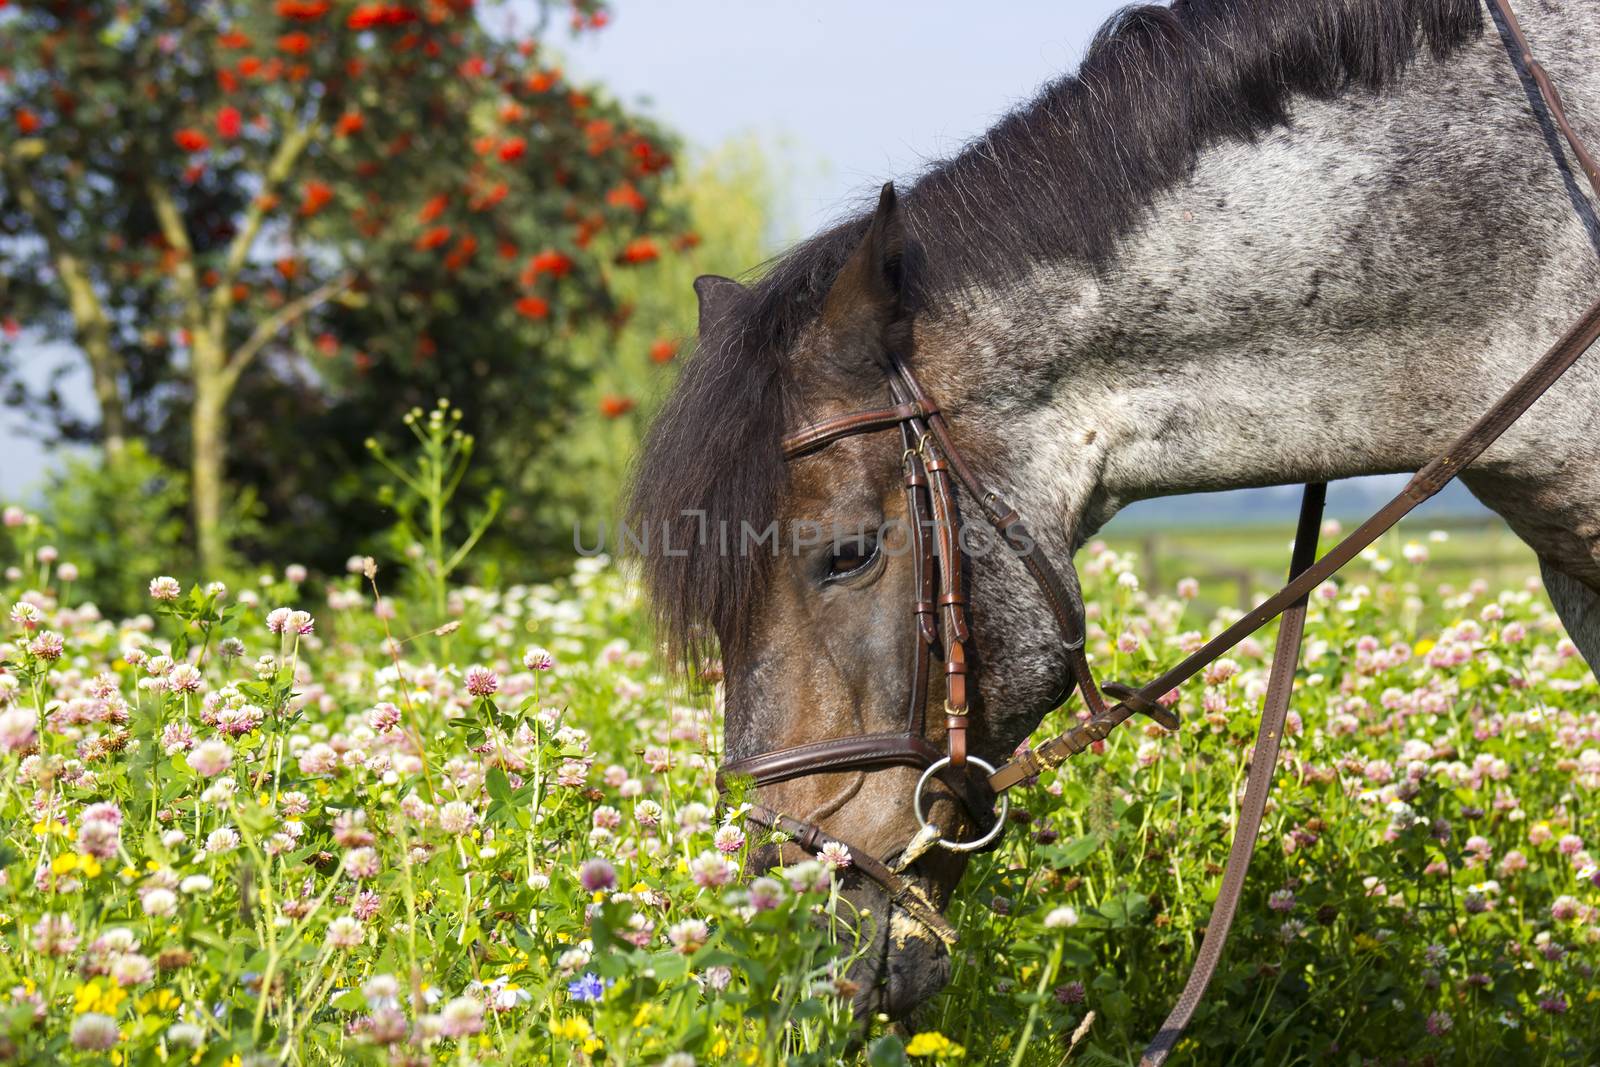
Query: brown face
825,646
832,656
830,650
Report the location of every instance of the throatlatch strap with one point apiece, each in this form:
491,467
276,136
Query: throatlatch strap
1258,787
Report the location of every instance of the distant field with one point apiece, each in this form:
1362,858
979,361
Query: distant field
1232,563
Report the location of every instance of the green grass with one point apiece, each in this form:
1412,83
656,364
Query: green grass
321,847
1236,563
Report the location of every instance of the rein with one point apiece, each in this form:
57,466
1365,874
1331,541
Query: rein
933,466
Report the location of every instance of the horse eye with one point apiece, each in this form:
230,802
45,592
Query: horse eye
851,556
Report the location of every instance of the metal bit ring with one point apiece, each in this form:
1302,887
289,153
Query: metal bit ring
995,831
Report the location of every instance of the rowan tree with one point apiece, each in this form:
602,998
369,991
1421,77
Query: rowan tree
198,192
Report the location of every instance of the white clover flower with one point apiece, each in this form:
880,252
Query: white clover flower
159,901
345,932
222,839
188,1034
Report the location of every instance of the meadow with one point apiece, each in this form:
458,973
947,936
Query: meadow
306,821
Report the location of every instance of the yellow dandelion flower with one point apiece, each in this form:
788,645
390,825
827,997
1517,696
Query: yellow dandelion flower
64,864
85,997
1423,647
572,1028
90,866
593,1045
157,1000
933,1043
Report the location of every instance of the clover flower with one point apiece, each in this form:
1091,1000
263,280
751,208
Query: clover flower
462,1017
55,935
456,817
211,758
482,682
18,731
345,932
94,1032
728,838
48,646
711,869
383,717
688,936
222,840
597,875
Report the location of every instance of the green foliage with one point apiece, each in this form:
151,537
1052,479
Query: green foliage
422,494
319,209
119,524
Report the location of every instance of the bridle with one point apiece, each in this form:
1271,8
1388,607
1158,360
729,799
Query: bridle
933,467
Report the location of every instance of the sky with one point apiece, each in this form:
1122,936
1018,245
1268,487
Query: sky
852,94
844,94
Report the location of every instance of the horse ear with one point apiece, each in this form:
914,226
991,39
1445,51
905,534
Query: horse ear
866,297
717,294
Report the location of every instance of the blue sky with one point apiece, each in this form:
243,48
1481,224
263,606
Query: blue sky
855,93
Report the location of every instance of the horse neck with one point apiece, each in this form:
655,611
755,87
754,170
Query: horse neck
1326,302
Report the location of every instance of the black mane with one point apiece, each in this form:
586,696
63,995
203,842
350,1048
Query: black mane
1064,177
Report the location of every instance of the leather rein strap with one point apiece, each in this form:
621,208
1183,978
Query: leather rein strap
934,465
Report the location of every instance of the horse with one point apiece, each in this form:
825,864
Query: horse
1248,243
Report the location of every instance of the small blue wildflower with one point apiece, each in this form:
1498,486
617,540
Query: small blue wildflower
588,987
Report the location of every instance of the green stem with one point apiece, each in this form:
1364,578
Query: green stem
1045,979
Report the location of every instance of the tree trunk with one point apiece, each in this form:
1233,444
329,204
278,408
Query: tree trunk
88,316
94,337
104,369
208,458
